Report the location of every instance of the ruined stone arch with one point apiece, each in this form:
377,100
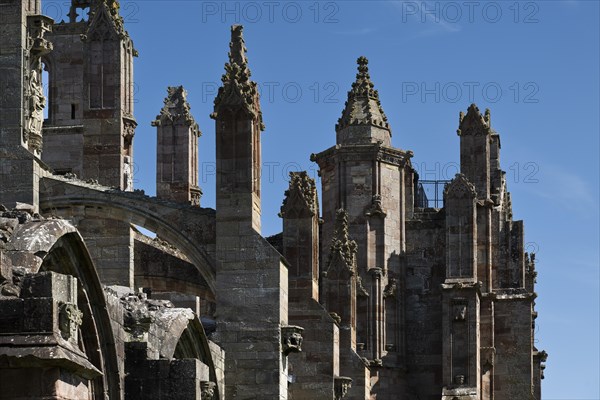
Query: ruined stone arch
47,79
56,246
190,230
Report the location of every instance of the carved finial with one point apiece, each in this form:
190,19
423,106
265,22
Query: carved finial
238,91
237,47
488,117
363,69
301,197
176,109
474,123
363,106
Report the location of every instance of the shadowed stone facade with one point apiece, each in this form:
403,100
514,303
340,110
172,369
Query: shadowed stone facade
368,294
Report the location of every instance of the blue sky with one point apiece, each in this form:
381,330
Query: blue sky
534,64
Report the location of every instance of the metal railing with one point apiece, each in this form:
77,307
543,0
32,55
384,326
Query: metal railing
430,194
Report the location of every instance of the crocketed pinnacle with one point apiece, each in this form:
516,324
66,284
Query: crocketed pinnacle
301,197
341,244
460,187
105,12
176,109
238,91
363,107
474,122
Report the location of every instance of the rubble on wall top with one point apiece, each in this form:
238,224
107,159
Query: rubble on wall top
10,219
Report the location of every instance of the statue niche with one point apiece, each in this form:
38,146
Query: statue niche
35,101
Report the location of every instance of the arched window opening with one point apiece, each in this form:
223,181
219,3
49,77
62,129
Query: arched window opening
46,91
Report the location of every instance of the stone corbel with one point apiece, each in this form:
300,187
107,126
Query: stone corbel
129,125
291,337
375,209
342,385
207,390
38,25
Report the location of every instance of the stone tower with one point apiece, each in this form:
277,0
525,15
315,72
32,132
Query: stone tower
90,127
373,183
91,95
177,150
426,294
23,45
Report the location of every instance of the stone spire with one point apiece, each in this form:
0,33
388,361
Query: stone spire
238,91
363,119
341,244
176,110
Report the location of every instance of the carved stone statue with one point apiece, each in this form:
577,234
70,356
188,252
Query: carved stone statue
36,105
127,174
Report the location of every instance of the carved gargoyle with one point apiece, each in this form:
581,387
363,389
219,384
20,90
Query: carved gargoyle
291,337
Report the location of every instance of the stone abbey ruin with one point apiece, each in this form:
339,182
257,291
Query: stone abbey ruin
372,295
